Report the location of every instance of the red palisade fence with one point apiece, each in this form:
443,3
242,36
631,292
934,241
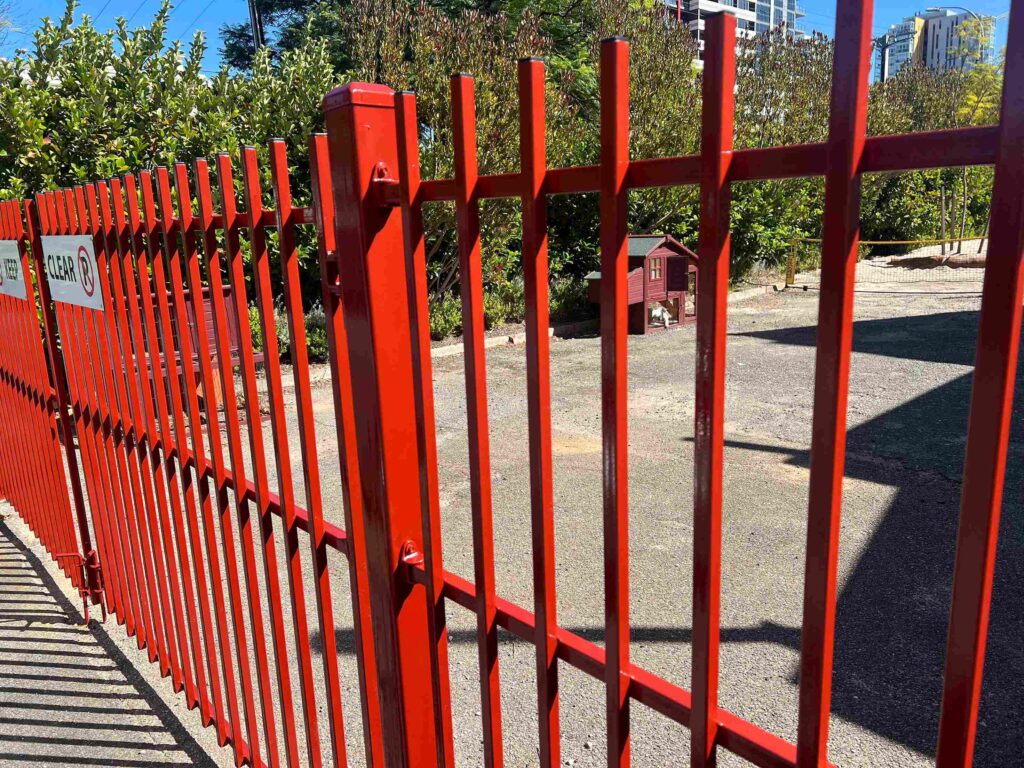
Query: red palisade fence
134,444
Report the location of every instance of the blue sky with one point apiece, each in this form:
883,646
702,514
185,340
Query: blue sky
209,15
821,14
187,16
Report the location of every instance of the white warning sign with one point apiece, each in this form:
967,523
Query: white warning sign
70,263
12,279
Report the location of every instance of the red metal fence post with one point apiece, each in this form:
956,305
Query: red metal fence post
363,145
614,318
533,162
471,289
840,234
709,440
989,424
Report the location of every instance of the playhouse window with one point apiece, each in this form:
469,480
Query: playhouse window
655,269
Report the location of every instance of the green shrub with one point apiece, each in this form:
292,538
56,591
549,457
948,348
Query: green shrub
281,326
255,329
512,294
494,310
445,317
569,301
316,334
83,103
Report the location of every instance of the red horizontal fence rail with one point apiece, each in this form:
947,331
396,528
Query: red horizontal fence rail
192,547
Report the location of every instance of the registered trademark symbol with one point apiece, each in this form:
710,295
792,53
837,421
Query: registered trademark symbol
87,278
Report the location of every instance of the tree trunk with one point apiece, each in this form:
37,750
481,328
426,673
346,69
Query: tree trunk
942,218
953,208
963,212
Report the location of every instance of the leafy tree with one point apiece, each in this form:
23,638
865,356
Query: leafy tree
782,97
5,20
911,205
418,48
70,111
977,103
568,24
84,104
664,120
288,25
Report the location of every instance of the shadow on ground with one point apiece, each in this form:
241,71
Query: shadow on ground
893,609
68,695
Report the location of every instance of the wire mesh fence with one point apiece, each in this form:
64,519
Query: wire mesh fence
881,263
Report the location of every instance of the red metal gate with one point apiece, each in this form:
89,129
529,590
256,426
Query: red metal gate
176,515
152,443
34,476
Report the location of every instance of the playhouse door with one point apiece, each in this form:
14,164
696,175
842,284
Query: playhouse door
676,275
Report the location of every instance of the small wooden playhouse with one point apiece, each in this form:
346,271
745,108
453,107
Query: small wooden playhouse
662,273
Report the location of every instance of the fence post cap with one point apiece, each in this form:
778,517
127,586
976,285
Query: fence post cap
359,94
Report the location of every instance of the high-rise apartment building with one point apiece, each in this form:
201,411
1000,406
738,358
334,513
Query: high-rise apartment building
753,17
899,46
937,39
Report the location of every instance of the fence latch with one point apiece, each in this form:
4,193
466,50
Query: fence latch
88,578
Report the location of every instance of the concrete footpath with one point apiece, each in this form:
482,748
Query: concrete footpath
68,694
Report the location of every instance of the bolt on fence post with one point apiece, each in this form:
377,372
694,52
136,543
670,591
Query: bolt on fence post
368,286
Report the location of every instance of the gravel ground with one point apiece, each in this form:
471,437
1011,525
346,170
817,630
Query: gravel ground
909,391
71,695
